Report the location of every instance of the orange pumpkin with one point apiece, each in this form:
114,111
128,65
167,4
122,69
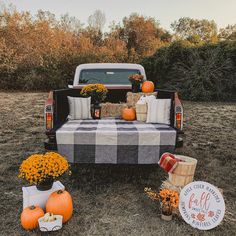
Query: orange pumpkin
29,217
148,87
129,114
60,203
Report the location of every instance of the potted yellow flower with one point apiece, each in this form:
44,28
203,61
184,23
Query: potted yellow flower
42,170
98,93
168,198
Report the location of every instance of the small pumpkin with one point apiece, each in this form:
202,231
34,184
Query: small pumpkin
49,217
129,114
29,217
148,87
60,203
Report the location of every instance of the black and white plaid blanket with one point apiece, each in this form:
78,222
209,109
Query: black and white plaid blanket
114,141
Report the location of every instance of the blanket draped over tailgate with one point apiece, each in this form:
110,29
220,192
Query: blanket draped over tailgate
114,141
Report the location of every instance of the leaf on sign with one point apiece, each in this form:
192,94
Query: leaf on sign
201,217
211,213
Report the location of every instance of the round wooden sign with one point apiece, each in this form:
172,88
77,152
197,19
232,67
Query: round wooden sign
201,205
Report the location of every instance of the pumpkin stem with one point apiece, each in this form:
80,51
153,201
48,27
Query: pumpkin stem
32,207
60,191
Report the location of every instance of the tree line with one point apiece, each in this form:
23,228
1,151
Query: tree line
41,52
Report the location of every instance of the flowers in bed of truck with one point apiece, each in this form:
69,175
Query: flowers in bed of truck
136,78
97,92
168,198
38,168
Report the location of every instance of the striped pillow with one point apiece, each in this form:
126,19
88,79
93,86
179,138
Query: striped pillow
79,108
159,111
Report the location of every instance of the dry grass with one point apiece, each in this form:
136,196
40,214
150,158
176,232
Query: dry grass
109,200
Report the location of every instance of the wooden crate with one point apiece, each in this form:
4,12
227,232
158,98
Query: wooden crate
141,112
184,172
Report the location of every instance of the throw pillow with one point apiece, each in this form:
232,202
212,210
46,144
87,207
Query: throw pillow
159,111
79,108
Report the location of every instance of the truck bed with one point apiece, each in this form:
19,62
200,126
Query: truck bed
61,108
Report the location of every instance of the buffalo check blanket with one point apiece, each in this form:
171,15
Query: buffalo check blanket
114,141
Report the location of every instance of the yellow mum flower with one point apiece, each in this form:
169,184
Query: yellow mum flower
38,167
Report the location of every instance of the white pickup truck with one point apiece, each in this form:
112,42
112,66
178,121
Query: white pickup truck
115,77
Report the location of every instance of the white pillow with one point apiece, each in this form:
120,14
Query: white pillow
79,108
159,111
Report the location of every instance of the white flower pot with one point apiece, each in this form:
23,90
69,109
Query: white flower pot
50,226
32,196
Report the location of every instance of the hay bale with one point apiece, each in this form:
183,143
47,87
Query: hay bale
132,98
112,109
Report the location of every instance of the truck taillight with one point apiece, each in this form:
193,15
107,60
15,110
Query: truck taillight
178,120
178,113
49,120
48,111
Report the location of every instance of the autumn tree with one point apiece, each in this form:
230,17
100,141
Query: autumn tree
195,30
228,33
71,24
117,46
41,51
96,23
142,35
46,16
96,37
97,20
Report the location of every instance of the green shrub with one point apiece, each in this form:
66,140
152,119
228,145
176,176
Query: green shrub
200,73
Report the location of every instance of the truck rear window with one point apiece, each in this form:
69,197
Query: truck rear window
106,76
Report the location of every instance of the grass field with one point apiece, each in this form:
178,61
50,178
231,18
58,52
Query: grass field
109,200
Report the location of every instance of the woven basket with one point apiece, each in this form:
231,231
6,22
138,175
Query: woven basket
141,112
184,172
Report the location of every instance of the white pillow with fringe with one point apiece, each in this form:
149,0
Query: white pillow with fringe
159,111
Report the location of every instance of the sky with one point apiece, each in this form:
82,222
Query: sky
223,12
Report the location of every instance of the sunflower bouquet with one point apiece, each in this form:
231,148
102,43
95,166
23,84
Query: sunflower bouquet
97,92
169,199
38,168
136,78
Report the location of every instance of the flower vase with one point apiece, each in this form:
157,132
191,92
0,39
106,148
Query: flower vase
166,217
166,212
135,87
45,185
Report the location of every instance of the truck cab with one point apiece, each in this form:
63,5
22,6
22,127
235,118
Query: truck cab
112,75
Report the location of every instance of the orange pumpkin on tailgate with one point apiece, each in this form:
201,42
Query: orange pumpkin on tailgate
60,203
29,217
129,114
148,87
